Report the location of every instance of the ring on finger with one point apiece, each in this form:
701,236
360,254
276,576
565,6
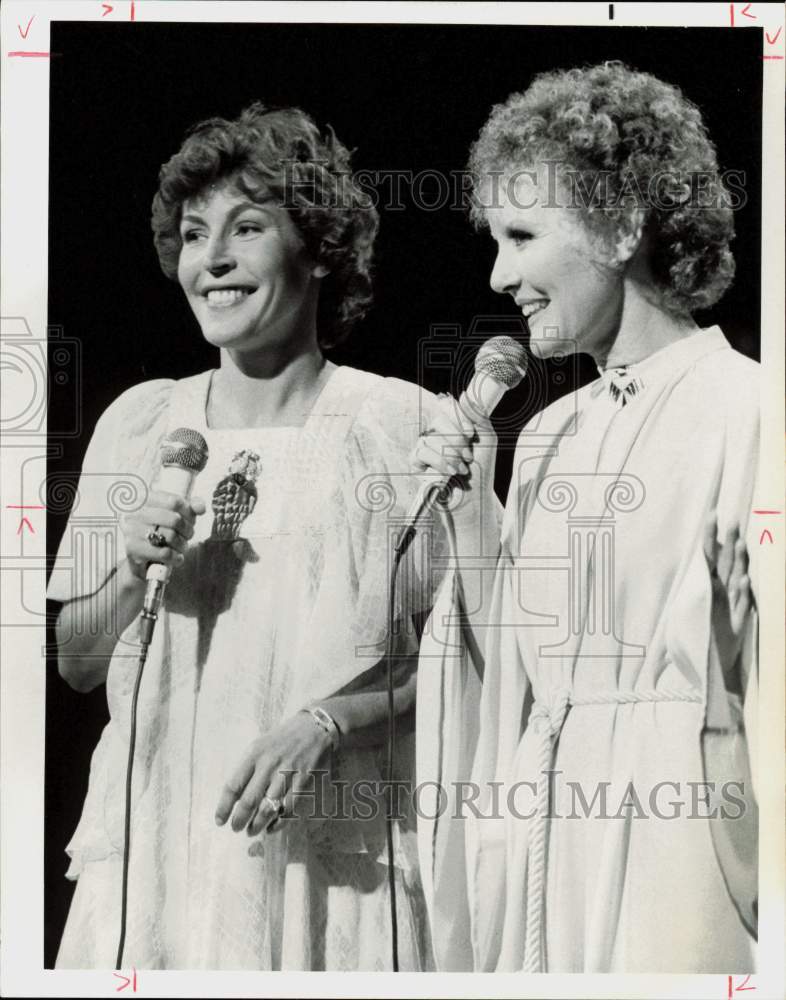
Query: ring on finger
156,538
274,822
276,805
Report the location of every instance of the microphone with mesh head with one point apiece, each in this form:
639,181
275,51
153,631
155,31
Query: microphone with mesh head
183,456
501,363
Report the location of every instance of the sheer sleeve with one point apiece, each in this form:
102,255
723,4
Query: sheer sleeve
379,488
118,465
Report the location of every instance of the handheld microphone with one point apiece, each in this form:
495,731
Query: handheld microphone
501,363
184,455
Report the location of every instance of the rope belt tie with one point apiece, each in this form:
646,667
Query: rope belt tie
547,722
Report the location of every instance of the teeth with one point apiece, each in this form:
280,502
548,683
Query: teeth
533,307
225,296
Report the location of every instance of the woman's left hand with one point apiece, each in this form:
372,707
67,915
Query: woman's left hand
732,598
274,771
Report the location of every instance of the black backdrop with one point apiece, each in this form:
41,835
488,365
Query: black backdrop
407,98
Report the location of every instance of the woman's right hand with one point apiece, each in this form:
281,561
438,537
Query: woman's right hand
447,445
170,515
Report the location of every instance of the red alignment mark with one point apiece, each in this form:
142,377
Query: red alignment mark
731,15
772,41
753,17
766,512
24,33
126,981
761,542
24,521
738,989
772,57
30,55
108,8
132,10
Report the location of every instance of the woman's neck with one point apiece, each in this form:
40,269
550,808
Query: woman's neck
268,392
644,328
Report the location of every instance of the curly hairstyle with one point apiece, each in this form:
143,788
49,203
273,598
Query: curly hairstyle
280,152
647,144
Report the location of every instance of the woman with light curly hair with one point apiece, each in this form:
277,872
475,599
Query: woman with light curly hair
264,692
613,825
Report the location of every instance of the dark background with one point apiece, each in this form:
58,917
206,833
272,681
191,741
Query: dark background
406,98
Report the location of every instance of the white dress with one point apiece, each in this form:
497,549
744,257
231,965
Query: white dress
251,631
600,669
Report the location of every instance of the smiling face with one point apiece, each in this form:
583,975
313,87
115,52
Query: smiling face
245,271
554,270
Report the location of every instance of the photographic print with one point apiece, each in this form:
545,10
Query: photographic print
392,499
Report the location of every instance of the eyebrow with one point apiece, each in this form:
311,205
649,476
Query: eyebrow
262,206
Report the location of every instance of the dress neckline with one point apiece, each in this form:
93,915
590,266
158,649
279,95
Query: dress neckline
667,361
674,356
203,395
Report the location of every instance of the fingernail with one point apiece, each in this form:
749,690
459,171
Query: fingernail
219,820
464,468
467,453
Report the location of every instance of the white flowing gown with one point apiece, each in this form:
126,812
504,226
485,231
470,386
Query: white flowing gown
601,674
251,631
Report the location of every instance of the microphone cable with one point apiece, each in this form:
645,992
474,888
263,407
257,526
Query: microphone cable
433,496
148,621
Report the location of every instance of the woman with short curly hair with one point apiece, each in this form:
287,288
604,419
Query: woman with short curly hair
281,154
619,666
263,693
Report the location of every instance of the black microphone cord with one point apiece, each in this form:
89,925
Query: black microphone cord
398,553
147,625
399,550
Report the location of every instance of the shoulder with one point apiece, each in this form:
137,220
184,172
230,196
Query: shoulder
129,423
388,419
394,403
140,402
726,364
728,384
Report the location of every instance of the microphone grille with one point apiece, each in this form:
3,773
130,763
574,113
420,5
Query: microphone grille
504,359
185,448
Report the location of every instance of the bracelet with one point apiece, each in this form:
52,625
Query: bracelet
326,721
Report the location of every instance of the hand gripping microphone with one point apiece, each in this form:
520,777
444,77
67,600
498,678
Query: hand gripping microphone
183,456
501,363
